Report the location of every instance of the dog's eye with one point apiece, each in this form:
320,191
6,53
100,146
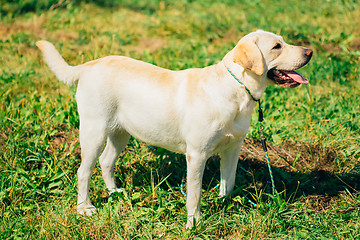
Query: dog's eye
277,46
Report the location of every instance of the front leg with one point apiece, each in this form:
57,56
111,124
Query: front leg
228,166
195,171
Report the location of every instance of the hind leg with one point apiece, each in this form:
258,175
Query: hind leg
92,138
116,142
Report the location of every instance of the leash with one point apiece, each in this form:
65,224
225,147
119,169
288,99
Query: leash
263,143
261,130
262,139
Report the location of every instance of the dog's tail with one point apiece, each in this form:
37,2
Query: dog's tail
63,71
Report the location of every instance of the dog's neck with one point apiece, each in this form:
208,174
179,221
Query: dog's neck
256,84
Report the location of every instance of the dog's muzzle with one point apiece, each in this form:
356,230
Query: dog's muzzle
290,79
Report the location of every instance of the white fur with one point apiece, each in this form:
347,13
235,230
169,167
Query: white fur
199,112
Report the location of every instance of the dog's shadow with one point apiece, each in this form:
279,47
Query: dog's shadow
299,169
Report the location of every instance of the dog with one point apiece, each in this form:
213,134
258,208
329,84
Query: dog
198,112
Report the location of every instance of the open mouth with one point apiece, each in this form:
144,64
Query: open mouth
288,79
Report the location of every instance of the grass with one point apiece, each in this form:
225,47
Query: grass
313,131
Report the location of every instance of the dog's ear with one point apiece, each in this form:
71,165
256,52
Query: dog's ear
248,55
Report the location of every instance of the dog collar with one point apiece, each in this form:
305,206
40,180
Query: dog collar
237,79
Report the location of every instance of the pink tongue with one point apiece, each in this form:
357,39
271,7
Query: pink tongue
297,77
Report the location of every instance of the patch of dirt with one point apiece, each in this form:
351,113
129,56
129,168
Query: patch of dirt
355,44
231,36
14,28
64,142
291,156
321,203
33,27
151,44
302,167
140,45
318,203
335,48
331,48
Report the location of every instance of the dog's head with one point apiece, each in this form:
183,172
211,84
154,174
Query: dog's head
267,53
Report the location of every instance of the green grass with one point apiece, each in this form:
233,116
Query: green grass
313,131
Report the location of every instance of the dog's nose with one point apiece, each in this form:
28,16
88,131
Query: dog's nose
308,52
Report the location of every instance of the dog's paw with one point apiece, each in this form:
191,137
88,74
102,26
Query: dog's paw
192,221
190,225
86,209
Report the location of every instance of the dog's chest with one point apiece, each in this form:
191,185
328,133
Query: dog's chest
233,134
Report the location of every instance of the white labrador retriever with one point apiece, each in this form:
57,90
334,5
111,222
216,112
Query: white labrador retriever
199,111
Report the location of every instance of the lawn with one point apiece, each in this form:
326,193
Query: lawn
313,131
